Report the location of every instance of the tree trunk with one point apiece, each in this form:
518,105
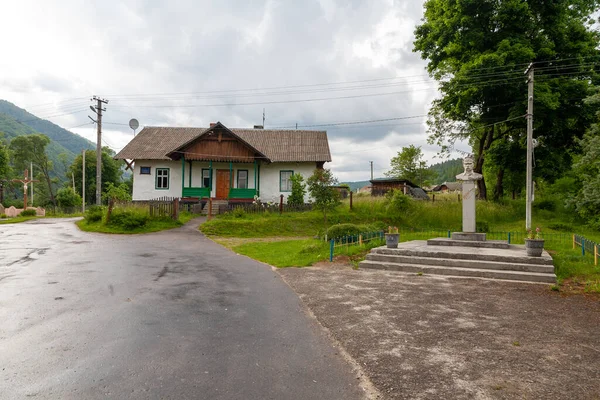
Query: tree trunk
49,182
499,190
484,143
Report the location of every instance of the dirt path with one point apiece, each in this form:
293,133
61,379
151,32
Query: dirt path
423,337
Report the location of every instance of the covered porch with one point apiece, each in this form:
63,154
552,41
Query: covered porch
220,181
220,165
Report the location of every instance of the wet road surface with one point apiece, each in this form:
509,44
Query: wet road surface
169,315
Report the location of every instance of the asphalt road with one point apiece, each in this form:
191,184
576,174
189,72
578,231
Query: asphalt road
169,315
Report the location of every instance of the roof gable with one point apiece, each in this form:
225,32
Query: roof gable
155,143
217,143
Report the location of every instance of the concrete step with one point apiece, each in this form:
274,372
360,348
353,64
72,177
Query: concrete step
461,263
462,272
488,244
456,253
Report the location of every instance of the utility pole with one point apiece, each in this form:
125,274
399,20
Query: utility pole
371,169
31,169
83,183
98,110
264,118
529,183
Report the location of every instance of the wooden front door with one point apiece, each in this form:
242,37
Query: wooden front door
222,183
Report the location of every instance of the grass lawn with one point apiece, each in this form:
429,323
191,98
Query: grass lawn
422,220
153,225
16,220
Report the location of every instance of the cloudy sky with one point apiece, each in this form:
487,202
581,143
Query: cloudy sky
189,63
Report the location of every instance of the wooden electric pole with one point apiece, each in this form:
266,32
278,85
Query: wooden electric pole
529,177
83,183
98,110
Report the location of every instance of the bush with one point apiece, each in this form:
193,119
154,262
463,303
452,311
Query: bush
549,205
341,230
397,201
128,219
3,216
298,190
66,197
28,213
482,226
561,227
93,214
239,212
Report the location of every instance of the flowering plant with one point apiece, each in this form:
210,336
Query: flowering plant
537,234
392,229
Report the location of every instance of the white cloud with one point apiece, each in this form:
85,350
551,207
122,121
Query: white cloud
61,50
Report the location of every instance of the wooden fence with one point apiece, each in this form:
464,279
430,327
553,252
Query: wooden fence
164,207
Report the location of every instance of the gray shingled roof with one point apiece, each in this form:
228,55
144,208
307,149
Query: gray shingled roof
154,143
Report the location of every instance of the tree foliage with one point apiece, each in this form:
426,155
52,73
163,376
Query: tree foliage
66,197
298,190
478,50
114,192
325,197
111,172
409,164
32,148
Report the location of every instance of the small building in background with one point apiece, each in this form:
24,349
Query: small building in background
364,189
448,187
381,186
343,190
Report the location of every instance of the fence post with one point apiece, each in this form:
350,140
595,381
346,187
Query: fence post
582,246
350,200
433,198
573,241
449,233
111,203
360,240
459,197
331,244
280,204
595,254
176,208
508,237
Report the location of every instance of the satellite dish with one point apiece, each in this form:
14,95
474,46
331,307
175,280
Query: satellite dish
134,124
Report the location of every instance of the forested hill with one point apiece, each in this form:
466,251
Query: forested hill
70,141
15,121
446,171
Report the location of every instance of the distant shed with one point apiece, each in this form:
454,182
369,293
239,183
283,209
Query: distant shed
381,186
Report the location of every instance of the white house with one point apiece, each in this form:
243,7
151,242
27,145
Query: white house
225,164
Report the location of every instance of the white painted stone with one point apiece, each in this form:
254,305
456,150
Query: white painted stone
12,211
1,209
40,212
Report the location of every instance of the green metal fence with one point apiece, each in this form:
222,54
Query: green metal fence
362,239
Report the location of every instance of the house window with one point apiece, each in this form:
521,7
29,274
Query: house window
162,178
285,183
205,178
144,170
242,179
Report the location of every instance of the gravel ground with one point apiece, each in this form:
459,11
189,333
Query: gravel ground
425,337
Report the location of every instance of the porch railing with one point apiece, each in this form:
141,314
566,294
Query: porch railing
196,192
235,193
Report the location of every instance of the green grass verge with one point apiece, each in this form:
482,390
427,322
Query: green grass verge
16,220
422,220
154,225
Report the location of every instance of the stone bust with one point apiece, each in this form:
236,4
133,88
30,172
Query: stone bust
469,174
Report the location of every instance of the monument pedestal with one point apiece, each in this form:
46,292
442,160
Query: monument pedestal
470,236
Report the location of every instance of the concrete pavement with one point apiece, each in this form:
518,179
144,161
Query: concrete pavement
169,315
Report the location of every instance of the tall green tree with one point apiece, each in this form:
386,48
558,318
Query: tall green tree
298,190
112,171
4,167
32,149
408,164
325,197
478,50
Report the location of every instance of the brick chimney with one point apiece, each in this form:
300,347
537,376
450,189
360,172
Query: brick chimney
258,127
212,124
